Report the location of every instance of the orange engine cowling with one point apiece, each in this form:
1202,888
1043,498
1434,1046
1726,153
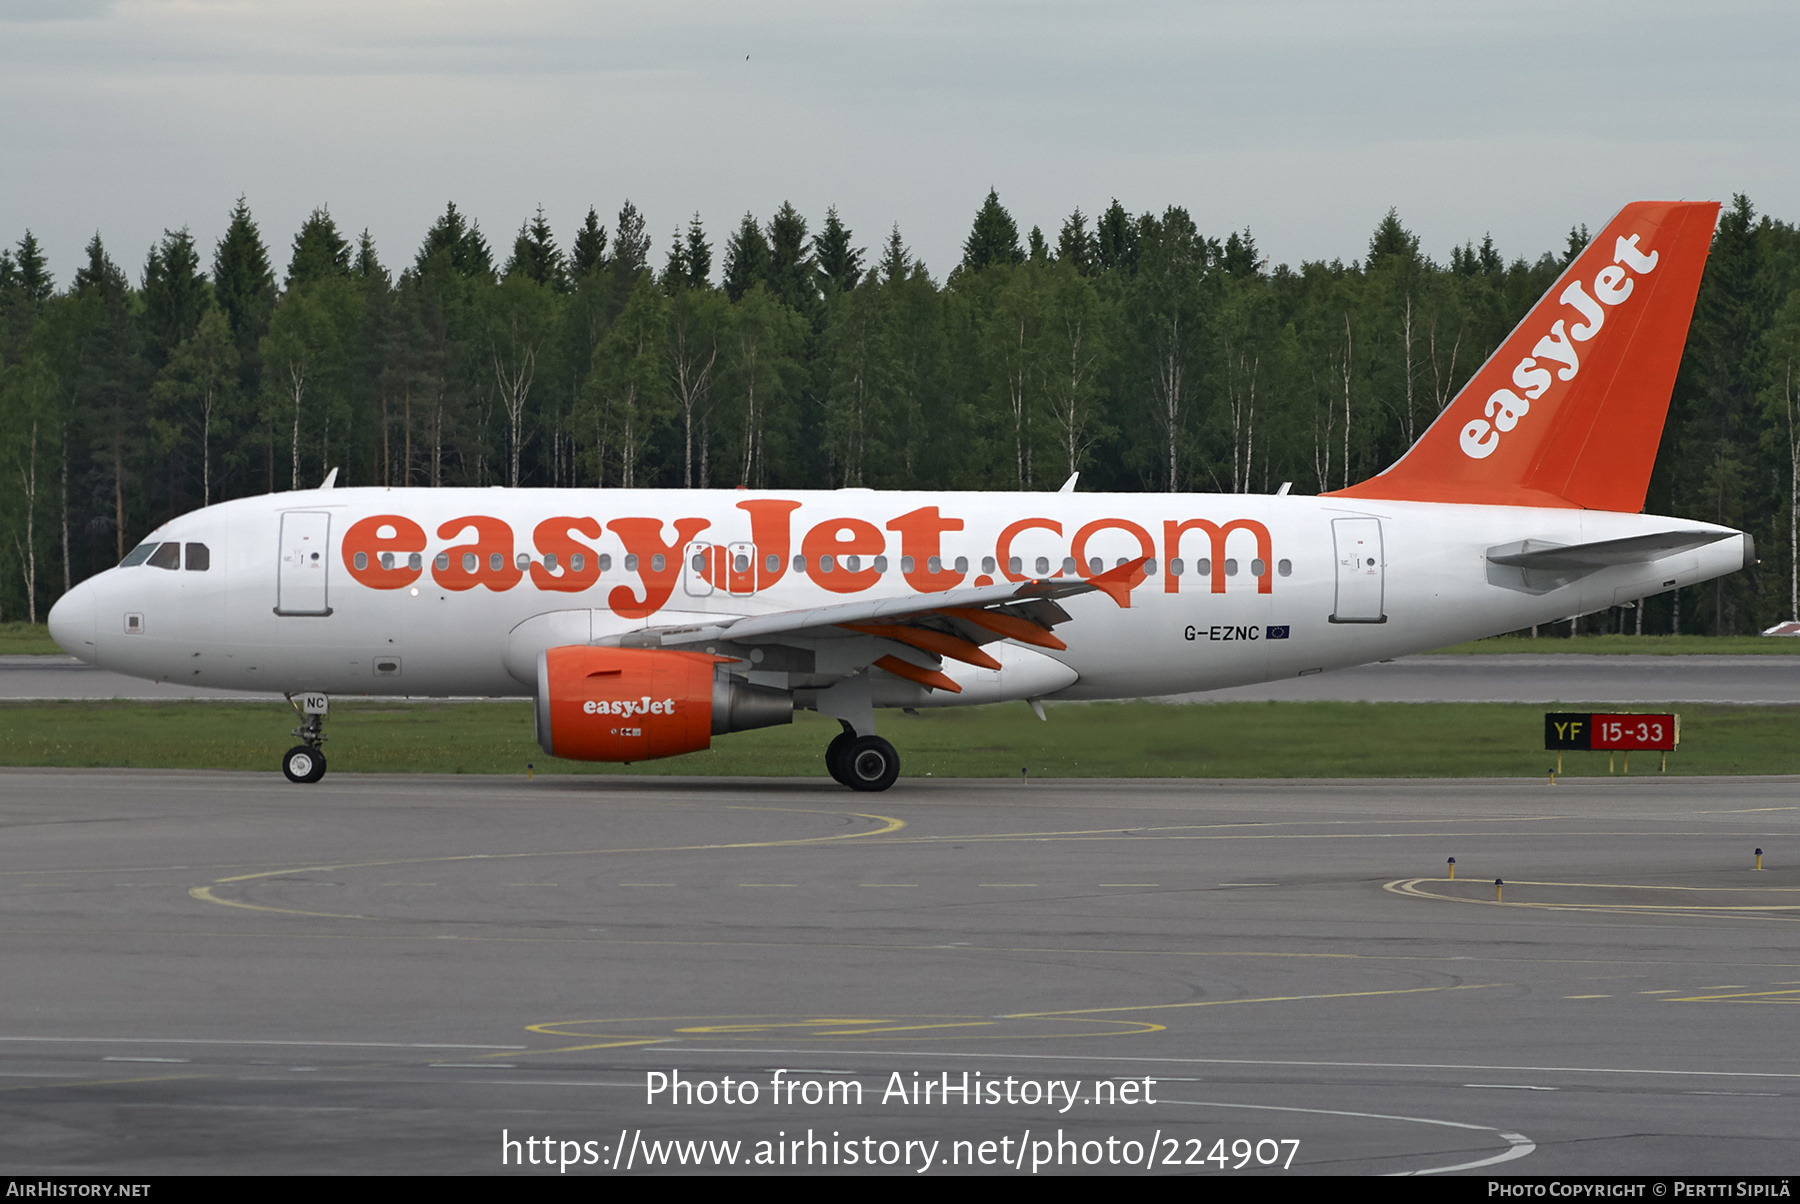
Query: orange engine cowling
637,704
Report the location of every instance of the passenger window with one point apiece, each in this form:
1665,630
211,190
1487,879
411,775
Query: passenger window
1285,568
168,556
1231,568
138,555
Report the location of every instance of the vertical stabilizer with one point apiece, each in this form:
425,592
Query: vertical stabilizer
1569,410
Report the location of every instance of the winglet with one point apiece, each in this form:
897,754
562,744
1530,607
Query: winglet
1118,583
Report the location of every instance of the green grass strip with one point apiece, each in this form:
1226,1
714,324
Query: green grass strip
1138,739
1629,645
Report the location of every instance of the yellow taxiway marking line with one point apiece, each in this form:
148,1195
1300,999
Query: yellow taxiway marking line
204,893
409,884
1587,996
1206,1003
1000,884
1410,888
753,884
1664,991
619,1044
1131,884
815,1026
1757,995
646,884
530,884
889,824
889,885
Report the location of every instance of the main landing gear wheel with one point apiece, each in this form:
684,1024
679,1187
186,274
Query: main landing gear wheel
834,757
303,764
870,764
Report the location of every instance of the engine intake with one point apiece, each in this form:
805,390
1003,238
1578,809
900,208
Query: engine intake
637,704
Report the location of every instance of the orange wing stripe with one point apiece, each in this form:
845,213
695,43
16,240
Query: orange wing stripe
911,672
939,642
1022,630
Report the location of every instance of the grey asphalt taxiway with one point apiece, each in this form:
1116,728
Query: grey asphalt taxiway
215,972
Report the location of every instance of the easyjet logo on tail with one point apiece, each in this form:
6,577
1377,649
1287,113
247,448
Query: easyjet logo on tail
1557,349
1562,414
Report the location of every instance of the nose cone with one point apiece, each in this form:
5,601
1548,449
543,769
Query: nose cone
72,623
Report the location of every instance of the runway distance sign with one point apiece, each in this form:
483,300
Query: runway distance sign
1622,733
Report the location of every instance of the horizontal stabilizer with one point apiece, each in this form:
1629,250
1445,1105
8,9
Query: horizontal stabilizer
1539,555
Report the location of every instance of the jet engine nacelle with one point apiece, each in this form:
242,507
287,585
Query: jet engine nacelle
636,704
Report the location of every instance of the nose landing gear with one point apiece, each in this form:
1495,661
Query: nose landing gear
306,761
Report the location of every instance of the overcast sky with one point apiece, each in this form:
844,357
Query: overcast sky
1304,121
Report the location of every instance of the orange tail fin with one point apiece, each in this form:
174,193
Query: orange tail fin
1569,410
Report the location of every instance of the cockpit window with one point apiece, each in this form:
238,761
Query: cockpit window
168,556
138,555
199,559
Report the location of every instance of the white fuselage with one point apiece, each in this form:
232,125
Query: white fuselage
1341,582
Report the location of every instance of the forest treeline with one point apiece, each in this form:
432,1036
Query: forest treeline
1133,348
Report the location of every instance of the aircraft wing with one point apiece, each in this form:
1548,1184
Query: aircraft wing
952,623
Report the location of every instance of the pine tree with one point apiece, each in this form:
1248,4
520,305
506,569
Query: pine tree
244,287
675,269
589,252
994,238
175,294
1075,246
896,258
698,254
535,254
460,242
746,259
368,266
320,251
790,264
631,247
1115,239
34,269
840,264
1241,260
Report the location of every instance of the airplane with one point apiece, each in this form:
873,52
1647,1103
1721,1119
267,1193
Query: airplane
645,622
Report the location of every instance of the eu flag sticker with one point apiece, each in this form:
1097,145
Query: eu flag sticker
1277,633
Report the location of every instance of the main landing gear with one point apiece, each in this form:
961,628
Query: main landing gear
305,762
865,763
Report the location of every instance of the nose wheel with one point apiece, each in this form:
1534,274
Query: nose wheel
864,763
305,762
